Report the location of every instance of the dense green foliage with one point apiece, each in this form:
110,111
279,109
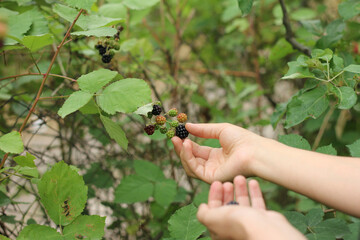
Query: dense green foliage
285,71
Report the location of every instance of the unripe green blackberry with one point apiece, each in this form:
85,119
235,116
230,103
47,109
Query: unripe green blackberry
150,129
181,132
156,126
149,115
173,112
174,123
163,130
117,46
170,133
156,110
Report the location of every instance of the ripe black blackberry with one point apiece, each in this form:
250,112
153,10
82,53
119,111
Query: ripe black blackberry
181,131
102,50
156,110
106,58
232,203
149,129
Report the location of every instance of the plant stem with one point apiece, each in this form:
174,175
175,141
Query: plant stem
43,82
323,127
36,74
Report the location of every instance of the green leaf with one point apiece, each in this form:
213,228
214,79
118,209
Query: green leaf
63,193
4,200
355,232
245,6
297,219
165,192
314,217
281,49
294,140
35,231
88,227
90,108
113,10
298,69
133,189
278,114
97,32
98,177
76,100
115,131
94,81
124,96
86,22
325,55
148,170
29,171
11,142
349,9
184,225
354,148
144,109
310,104
334,226
4,238
348,98
352,68
34,43
19,26
139,4
303,14
84,4
25,161
329,149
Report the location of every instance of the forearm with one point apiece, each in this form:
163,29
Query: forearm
334,181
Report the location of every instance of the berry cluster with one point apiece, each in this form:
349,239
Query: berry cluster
174,128
106,46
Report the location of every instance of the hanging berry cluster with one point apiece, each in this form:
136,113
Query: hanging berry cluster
175,127
106,46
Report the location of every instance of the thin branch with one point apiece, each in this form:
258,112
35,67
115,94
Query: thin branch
290,36
44,80
323,127
43,74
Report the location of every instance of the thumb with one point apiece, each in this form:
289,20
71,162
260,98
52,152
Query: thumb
206,130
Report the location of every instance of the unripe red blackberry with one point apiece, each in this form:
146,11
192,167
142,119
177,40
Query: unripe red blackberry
181,132
150,129
173,112
161,120
182,117
156,110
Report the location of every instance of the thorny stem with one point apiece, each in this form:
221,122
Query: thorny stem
43,82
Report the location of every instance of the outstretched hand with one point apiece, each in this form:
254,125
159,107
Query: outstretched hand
248,220
238,147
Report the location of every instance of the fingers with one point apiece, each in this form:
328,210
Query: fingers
228,192
257,200
215,195
241,192
178,143
206,130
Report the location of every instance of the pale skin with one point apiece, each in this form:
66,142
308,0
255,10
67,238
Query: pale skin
248,220
331,180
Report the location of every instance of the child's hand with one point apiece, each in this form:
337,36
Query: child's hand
222,164
248,220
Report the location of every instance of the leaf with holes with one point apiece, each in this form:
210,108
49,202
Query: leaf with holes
89,227
63,193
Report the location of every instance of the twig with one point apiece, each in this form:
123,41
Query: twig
290,36
43,74
43,81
